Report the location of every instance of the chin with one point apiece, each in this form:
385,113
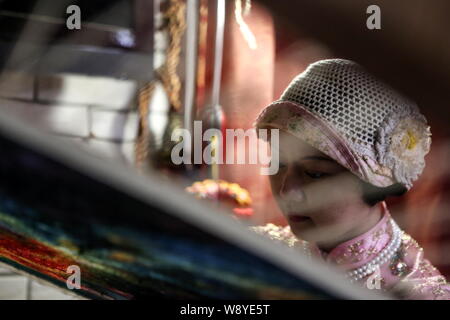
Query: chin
303,233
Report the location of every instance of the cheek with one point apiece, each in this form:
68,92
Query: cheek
340,206
275,184
340,218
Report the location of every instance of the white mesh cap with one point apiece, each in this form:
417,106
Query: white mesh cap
385,131
340,92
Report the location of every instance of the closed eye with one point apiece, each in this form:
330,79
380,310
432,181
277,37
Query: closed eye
316,174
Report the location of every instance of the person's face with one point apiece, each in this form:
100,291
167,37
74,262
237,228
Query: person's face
321,200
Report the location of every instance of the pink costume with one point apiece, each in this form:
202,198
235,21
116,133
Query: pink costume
402,271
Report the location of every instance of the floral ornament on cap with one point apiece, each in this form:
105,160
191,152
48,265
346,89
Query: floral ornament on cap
403,141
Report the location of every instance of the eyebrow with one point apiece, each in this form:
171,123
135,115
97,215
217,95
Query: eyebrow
318,158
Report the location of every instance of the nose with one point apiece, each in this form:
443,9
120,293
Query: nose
292,188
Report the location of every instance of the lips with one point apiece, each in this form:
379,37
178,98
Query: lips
298,218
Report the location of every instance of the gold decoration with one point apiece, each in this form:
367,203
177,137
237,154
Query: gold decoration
143,139
168,71
175,15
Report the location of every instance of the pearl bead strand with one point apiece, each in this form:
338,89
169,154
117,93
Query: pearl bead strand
385,255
